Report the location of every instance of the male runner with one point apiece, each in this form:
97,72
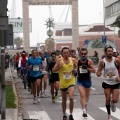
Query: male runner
53,77
65,65
34,64
111,79
85,68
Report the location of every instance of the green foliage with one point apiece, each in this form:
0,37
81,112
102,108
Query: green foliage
10,97
18,42
97,44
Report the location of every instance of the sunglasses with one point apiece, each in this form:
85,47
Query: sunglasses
83,53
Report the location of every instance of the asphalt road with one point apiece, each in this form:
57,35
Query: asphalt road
46,110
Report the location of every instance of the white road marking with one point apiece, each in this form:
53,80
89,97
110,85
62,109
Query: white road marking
77,114
39,115
67,100
116,114
93,88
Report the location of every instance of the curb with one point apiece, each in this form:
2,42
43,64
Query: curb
15,93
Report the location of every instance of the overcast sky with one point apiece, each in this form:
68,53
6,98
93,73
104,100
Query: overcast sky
90,11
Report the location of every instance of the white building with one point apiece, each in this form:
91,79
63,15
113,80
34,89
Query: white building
63,34
112,11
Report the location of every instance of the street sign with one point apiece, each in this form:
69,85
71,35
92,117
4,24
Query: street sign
104,39
18,24
86,42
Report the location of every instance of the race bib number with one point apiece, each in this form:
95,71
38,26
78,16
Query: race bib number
44,72
111,77
82,70
67,75
35,68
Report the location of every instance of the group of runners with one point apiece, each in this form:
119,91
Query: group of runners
68,70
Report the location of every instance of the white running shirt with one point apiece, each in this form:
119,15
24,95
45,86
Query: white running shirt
110,72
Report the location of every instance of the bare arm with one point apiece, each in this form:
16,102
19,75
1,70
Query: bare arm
91,67
41,67
19,62
100,67
117,60
57,66
74,63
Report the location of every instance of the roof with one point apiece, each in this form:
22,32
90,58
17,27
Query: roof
98,28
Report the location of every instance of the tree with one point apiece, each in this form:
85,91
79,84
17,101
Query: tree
97,44
117,22
18,42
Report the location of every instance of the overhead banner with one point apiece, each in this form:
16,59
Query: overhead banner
18,24
49,2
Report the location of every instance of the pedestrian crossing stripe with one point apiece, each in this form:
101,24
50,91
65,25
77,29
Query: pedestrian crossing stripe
39,115
116,114
93,88
77,114
66,102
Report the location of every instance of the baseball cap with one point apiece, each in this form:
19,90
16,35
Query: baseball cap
23,52
114,50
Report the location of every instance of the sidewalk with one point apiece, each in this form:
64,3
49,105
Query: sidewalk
11,114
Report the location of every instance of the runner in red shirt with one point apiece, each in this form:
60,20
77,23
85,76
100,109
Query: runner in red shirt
115,54
22,62
17,60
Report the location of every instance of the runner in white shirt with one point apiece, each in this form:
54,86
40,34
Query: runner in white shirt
111,79
45,74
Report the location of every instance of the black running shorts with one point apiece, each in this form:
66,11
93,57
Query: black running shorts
105,86
33,79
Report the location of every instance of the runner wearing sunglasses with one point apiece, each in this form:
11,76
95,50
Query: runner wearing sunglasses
85,67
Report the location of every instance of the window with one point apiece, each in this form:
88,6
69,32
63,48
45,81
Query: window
112,9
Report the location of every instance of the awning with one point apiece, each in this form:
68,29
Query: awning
110,20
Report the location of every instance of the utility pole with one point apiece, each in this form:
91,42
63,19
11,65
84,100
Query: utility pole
104,37
3,28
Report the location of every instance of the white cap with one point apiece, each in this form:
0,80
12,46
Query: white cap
114,50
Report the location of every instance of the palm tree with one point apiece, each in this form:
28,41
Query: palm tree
18,42
97,44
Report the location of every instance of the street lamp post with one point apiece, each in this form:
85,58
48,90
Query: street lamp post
104,15
3,29
104,35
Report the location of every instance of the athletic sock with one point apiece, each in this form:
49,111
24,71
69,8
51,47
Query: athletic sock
108,109
56,93
84,110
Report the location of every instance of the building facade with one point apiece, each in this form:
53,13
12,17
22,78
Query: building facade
112,11
91,33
